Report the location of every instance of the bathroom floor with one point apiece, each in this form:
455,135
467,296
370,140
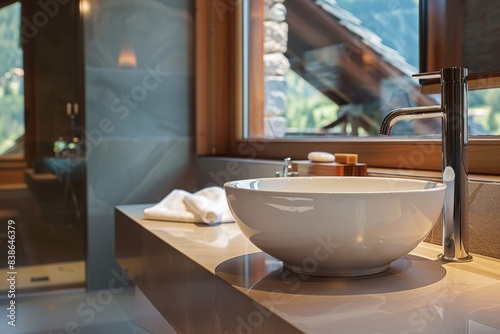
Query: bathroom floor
73,311
46,277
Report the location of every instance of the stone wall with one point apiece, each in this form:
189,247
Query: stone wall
276,67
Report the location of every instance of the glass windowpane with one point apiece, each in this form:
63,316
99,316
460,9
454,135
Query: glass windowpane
11,82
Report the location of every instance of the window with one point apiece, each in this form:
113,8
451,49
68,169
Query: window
11,82
377,84
335,67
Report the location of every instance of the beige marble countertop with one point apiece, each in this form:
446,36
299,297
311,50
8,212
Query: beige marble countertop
418,294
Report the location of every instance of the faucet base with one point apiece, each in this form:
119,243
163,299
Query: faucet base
443,257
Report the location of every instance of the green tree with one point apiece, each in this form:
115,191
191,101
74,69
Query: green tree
492,98
307,108
11,81
11,53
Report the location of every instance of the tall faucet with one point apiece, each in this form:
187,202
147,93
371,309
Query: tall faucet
454,114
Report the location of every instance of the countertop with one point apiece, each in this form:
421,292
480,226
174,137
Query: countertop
418,294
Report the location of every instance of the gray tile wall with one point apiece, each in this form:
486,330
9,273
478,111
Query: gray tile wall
139,123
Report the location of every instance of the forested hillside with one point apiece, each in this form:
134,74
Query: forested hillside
11,77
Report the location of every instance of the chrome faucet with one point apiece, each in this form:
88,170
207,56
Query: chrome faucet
287,169
454,114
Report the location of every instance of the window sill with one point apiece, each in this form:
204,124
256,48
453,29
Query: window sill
223,169
389,152
428,175
12,170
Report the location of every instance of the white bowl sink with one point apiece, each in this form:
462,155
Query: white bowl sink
335,226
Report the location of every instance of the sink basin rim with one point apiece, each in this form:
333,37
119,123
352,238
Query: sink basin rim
424,185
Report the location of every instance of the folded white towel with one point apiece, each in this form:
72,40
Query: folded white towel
208,206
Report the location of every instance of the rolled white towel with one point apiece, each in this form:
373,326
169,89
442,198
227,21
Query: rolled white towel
208,206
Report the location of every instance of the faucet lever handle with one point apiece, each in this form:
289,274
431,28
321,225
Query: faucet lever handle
428,75
449,74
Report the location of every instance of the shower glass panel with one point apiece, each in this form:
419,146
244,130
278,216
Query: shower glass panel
41,130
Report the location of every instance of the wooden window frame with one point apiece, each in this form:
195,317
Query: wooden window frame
219,108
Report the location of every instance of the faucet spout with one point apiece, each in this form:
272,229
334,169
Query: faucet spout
408,113
454,113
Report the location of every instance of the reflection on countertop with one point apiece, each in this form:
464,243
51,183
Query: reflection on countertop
404,274
418,294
